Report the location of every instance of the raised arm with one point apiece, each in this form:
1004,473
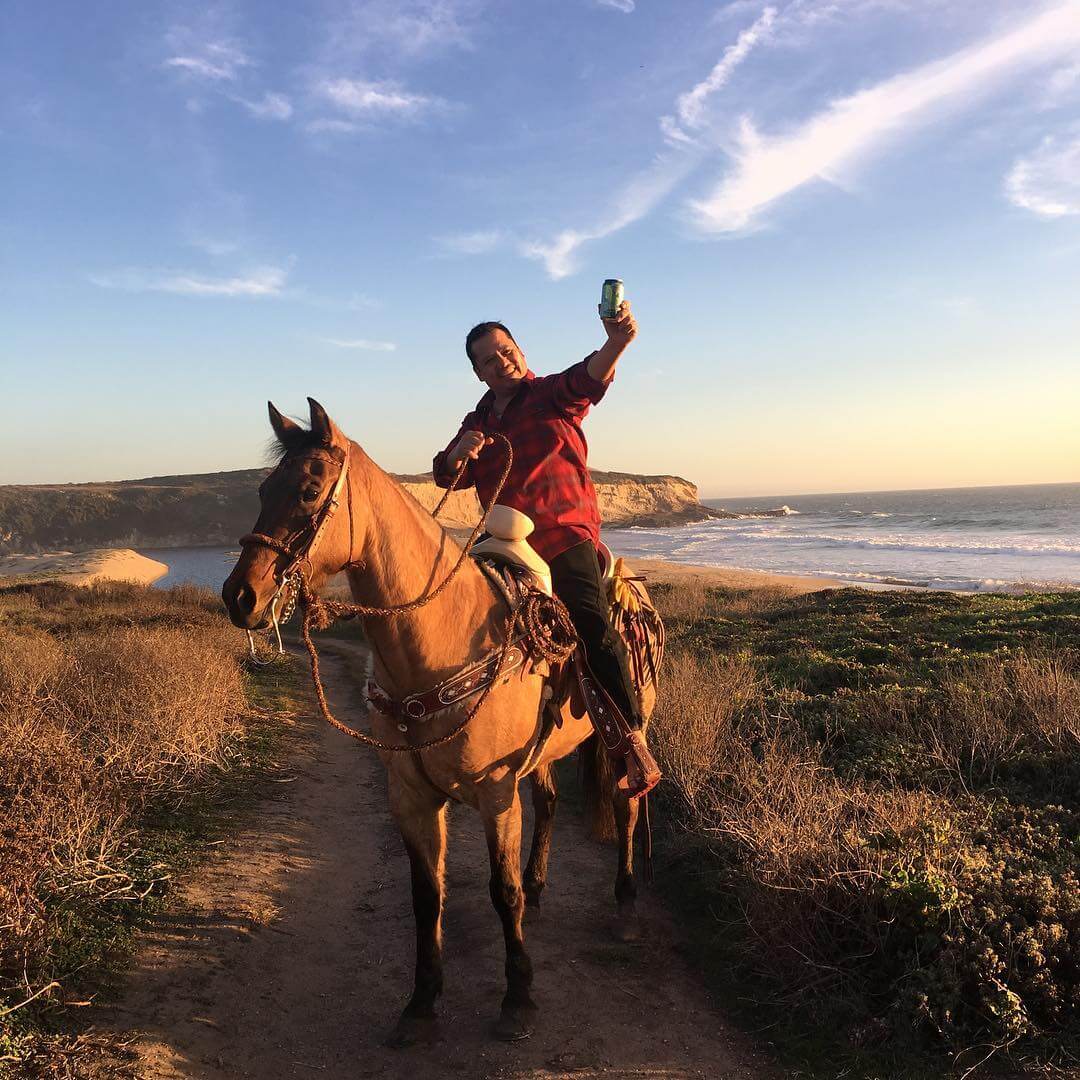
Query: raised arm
620,332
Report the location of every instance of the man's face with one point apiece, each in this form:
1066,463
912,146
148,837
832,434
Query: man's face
497,361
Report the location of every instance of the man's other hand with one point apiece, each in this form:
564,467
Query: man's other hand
623,328
468,446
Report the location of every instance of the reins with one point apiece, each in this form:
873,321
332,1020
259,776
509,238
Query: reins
544,624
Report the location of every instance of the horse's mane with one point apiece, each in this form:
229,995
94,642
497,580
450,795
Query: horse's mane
277,450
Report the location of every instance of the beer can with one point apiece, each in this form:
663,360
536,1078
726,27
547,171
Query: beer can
611,296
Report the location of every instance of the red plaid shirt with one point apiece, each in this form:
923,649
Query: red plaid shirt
550,480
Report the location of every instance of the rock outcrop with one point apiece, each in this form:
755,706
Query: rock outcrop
216,508
624,499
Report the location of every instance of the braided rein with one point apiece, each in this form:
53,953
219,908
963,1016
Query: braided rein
543,629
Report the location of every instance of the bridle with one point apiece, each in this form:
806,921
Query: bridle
292,577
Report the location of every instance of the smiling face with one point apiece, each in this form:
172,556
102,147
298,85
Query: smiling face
498,361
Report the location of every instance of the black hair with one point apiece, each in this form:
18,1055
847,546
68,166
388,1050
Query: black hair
478,331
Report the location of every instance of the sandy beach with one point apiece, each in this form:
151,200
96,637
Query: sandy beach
660,571
81,567
123,564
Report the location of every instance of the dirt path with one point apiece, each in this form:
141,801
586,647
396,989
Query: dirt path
289,953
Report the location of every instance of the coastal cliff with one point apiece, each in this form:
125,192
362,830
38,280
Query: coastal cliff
624,500
216,508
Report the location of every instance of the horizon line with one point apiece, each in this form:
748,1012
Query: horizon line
893,491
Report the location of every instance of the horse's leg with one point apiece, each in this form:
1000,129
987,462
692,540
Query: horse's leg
502,824
627,926
421,817
544,798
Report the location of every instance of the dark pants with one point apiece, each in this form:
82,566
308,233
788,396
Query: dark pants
577,581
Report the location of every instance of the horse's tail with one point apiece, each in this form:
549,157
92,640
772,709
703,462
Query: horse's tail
599,783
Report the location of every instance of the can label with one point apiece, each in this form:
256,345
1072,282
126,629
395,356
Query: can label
611,296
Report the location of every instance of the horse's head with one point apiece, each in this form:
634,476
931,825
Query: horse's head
299,529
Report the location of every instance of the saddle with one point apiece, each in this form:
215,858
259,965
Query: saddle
515,567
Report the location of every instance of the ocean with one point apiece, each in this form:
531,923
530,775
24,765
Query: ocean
968,539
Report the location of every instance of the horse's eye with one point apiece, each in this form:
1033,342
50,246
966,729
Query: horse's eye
310,494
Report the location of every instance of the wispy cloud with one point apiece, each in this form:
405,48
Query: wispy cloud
362,344
1062,85
259,282
625,6
645,190
559,255
330,125
737,9
472,243
406,29
1047,182
212,245
691,106
363,99
215,61
356,301
269,107
769,168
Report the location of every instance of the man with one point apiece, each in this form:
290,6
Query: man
541,416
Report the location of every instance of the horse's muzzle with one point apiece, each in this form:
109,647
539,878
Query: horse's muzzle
246,609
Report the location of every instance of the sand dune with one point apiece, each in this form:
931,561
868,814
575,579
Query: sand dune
81,567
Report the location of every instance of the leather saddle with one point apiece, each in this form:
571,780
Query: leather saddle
514,565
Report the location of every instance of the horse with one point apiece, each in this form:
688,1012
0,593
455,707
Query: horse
393,552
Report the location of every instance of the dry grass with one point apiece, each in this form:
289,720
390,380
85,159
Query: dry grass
984,714
113,701
876,799
802,844
693,600
993,711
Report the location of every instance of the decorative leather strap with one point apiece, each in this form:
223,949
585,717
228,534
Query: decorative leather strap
468,681
622,742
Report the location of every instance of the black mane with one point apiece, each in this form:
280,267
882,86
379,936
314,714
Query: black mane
277,450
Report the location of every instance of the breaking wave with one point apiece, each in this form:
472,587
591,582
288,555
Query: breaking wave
967,539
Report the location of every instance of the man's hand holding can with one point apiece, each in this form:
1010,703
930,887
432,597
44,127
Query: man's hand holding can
622,329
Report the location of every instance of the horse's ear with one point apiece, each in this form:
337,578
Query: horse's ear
321,424
286,430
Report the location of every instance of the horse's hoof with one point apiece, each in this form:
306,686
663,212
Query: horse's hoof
627,929
413,1031
514,1024
532,896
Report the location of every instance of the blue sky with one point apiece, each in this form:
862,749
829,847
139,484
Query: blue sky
850,230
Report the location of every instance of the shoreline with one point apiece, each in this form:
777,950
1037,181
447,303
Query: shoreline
125,564
665,571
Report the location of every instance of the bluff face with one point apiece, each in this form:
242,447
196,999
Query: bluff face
216,508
